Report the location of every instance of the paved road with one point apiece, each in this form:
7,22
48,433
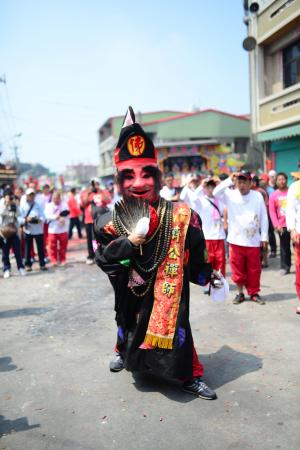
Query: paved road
56,393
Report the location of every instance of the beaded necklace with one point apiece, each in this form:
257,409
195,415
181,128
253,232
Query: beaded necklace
164,231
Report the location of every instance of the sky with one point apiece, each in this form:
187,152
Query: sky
69,65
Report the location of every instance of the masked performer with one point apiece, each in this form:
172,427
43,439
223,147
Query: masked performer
151,249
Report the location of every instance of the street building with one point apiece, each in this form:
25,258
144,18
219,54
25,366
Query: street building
273,43
79,174
201,141
8,175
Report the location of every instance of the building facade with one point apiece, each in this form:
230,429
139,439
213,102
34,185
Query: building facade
203,141
79,174
274,55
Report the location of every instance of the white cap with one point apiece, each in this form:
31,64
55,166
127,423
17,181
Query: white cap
272,173
30,191
95,180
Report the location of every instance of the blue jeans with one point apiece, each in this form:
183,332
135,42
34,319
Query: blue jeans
15,243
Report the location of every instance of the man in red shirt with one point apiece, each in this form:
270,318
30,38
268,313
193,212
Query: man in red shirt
92,195
75,214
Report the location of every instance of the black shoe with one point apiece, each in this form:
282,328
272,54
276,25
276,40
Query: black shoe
117,363
272,255
283,272
239,298
197,387
257,299
43,268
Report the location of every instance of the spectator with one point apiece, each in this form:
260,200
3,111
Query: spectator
93,194
9,217
272,182
255,186
114,194
211,211
56,213
43,198
33,220
277,211
19,192
269,188
75,213
247,232
191,190
169,191
293,225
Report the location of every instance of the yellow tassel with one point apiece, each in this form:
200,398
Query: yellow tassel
159,341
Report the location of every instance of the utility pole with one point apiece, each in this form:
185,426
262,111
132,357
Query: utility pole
15,149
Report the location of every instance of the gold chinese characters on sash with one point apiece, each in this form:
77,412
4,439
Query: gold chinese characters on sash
168,284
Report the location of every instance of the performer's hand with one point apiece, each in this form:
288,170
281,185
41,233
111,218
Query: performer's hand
264,245
295,236
136,239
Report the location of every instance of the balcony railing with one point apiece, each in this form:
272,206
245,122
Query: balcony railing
280,109
275,17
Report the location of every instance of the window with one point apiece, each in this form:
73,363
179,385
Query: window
291,64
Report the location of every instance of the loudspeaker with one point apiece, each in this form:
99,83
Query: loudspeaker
249,43
254,7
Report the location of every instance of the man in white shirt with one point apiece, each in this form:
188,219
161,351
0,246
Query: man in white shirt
33,221
168,191
293,225
247,233
211,211
56,213
43,198
191,190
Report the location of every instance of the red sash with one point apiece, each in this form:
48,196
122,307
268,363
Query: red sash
168,284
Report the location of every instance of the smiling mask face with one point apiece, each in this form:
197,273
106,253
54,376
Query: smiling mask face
140,182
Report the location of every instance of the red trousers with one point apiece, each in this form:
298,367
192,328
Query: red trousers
58,247
198,368
216,254
46,234
297,264
246,267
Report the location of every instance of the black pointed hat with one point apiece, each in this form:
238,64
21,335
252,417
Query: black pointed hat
134,146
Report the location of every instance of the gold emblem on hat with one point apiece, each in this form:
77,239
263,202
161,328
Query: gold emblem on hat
136,145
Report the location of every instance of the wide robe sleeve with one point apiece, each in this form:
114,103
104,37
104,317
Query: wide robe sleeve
112,250
200,269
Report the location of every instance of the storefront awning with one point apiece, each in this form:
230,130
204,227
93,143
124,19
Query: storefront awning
280,133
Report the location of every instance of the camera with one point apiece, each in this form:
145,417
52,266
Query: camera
12,208
94,190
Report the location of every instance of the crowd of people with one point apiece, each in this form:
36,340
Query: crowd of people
36,223
157,240
243,213
39,222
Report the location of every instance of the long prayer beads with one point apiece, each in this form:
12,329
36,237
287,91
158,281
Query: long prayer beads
164,230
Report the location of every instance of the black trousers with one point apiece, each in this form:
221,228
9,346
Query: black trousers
39,239
75,222
272,238
285,250
15,243
89,238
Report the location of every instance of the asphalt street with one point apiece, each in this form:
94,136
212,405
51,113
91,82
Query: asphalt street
56,392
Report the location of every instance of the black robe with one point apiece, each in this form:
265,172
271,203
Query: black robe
133,313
